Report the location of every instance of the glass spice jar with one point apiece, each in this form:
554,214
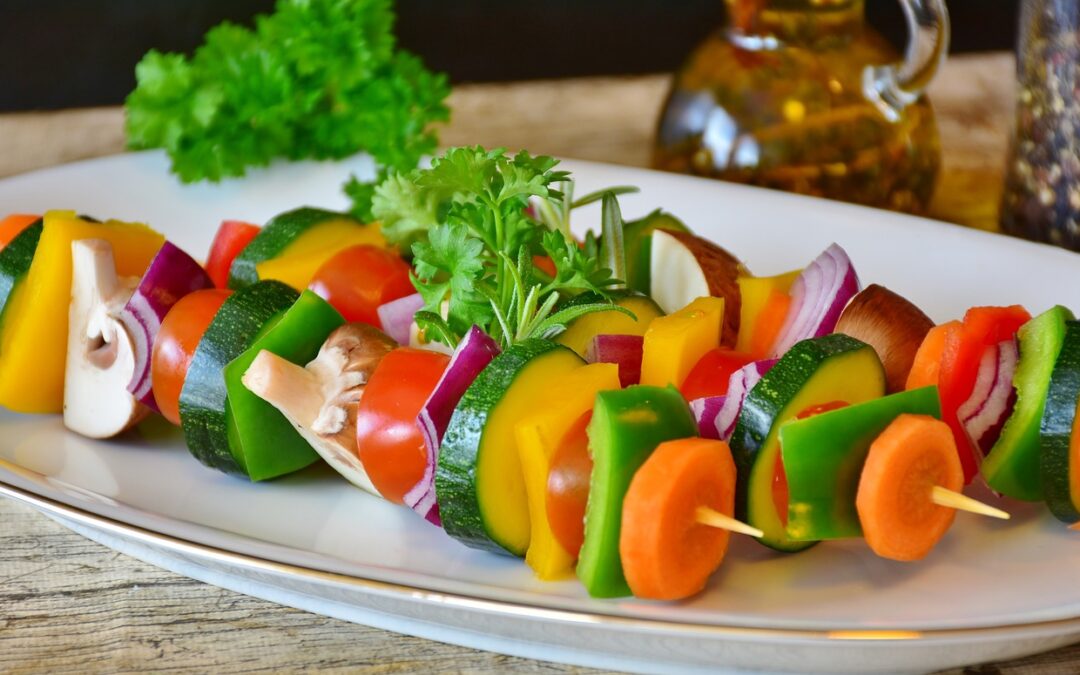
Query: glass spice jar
1042,187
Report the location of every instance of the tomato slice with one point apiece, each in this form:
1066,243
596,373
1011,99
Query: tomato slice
982,327
568,486
175,346
231,238
358,279
390,444
709,377
13,225
781,494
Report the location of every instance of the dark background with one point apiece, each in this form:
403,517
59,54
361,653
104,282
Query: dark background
65,53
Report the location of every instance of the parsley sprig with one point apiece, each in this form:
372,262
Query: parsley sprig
318,79
475,245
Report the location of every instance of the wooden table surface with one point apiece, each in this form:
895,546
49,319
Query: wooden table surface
70,605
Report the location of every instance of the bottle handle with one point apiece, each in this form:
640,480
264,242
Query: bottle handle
893,87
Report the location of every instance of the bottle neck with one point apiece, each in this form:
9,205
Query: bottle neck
800,22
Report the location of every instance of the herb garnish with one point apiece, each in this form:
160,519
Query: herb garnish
319,79
475,246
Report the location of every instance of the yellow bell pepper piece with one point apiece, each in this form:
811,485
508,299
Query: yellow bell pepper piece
500,484
539,436
33,342
676,342
755,292
297,264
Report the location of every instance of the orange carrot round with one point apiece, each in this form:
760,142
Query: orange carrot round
899,519
927,364
666,553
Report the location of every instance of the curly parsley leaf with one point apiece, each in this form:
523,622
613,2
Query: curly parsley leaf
468,220
319,79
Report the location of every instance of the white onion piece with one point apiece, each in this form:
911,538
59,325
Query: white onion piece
818,297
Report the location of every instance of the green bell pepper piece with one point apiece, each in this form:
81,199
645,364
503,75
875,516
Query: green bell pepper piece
824,456
1012,466
263,441
626,427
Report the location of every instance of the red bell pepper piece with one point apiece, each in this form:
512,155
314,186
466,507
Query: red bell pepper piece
231,238
710,375
982,328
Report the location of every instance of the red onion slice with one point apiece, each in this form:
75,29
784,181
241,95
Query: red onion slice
396,316
473,354
818,297
622,350
718,414
172,274
705,411
993,396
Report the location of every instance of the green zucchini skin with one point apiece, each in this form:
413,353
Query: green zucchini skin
1056,428
456,486
15,261
203,398
764,406
274,237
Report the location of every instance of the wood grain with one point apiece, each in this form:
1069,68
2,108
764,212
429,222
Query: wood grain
70,605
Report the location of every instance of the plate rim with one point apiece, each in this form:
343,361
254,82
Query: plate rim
52,507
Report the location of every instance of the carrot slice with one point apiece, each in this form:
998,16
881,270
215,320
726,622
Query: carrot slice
11,226
927,365
666,553
905,462
768,323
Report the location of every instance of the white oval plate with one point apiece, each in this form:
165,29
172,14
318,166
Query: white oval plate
990,590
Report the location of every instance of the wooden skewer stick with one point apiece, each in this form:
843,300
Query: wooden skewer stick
714,518
954,500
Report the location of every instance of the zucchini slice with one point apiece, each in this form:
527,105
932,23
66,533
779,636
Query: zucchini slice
478,481
1012,466
1059,435
301,234
204,396
813,372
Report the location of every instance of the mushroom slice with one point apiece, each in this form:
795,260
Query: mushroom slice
321,399
100,353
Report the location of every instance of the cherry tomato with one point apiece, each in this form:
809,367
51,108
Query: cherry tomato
358,279
388,437
175,345
780,493
709,377
13,225
231,238
568,487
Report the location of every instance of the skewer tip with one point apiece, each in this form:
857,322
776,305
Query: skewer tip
954,500
713,518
